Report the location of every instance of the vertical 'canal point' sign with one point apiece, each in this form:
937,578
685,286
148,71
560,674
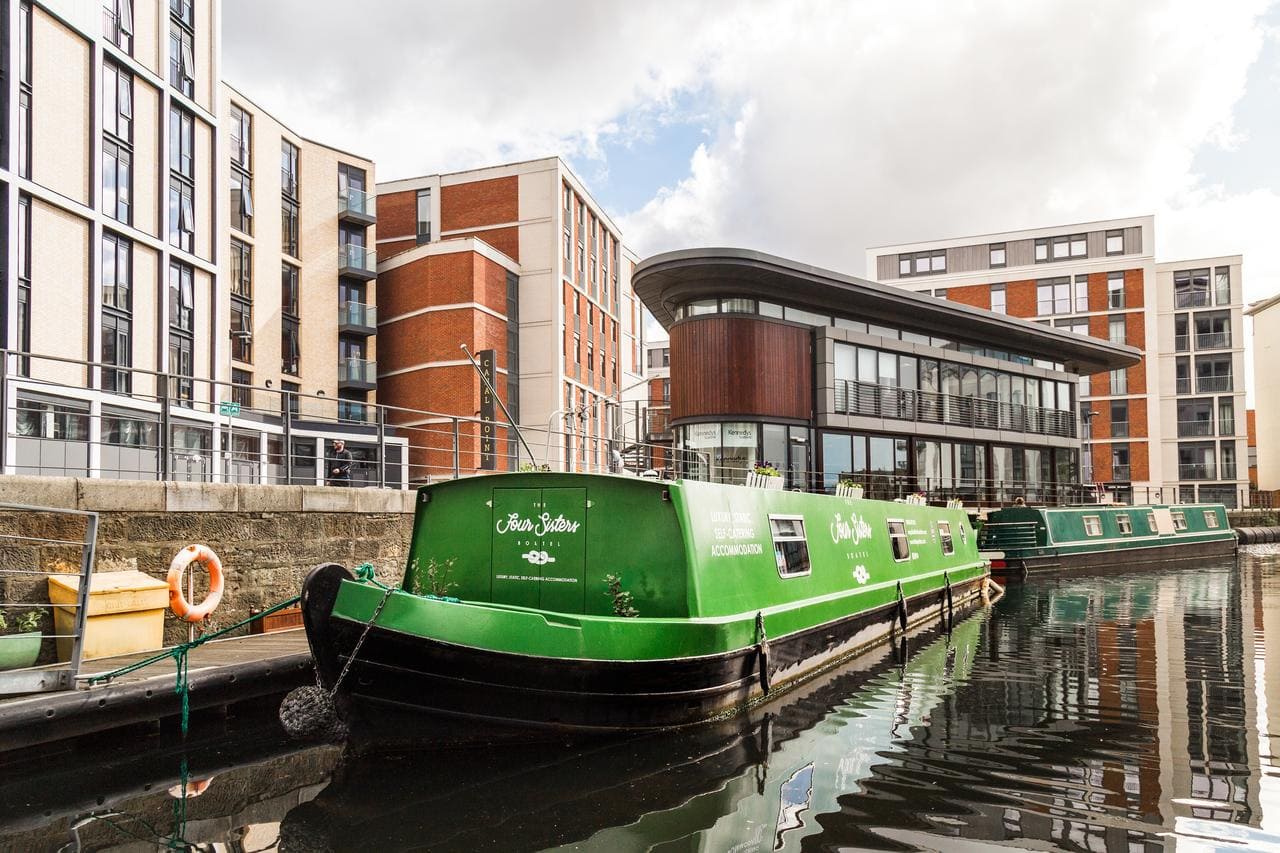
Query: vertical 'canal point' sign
488,410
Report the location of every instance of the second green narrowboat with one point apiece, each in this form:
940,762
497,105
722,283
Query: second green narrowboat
1023,539
612,602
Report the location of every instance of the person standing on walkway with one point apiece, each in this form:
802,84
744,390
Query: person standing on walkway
340,464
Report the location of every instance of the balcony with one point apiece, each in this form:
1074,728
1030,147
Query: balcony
357,207
1181,343
1120,474
1182,385
1191,299
1198,471
1188,429
1211,384
357,318
1213,340
357,262
357,374
908,404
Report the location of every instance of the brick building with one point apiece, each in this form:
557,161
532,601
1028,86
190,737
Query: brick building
1170,428
518,260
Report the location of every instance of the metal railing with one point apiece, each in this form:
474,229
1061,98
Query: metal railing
1182,385
357,201
358,370
1210,384
1191,299
1213,340
1121,473
358,314
52,557
1181,343
658,422
355,257
1188,429
870,399
1198,471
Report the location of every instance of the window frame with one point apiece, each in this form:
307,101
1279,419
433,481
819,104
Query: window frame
1211,520
781,558
945,539
992,249
1092,525
1179,520
1124,524
895,535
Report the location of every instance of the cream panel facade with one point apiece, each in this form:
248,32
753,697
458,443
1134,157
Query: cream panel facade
318,241
201,359
147,34
205,171
148,162
60,133
59,291
1266,397
206,52
146,317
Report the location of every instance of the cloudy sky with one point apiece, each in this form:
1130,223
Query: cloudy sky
811,130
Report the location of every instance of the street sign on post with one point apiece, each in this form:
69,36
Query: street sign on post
228,408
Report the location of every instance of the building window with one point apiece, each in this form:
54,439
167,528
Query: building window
117,102
289,290
1124,524
288,169
182,175
1115,290
568,249
289,350
1119,418
117,23
117,306
1061,248
182,310
24,90
944,537
1226,416
996,254
117,180
1092,525
241,139
1115,242
1120,463
1191,288
790,547
923,263
1222,285
289,398
424,217
24,282
1082,294
1119,381
1213,373
898,540
182,64
998,299
1115,329
117,272
241,393
1053,296
241,329
289,227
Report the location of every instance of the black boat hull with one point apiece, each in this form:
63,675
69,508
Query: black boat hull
1181,554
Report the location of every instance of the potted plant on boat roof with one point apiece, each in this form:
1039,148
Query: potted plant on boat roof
21,648
847,488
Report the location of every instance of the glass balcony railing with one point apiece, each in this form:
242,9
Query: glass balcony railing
1120,473
357,259
1213,340
1181,343
1187,429
1198,471
359,370
358,314
1210,384
1191,299
357,203
1182,385
908,404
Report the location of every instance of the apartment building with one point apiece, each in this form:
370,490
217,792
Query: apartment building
1170,428
658,435
520,264
1265,315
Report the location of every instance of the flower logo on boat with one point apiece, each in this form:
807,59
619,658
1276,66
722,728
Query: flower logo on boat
860,574
538,558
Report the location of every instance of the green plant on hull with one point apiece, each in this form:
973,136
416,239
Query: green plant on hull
622,601
437,578
23,623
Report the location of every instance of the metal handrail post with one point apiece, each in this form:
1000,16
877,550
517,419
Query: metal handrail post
457,462
164,427
82,598
382,446
287,416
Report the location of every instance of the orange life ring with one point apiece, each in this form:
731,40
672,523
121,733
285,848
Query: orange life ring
182,608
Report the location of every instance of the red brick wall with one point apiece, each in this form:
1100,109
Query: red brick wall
1097,291
479,203
395,247
1101,456
505,240
1020,298
977,295
1138,419
1139,461
1133,289
398,215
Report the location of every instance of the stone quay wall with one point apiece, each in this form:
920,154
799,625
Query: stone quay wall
268,537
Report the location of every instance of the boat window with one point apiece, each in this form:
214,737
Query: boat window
1210,519
1179,520
1151,521
1126,527
944,536
898,539
1092,525
790,547
964,533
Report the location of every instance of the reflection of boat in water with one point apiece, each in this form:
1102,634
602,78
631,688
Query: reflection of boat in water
758,782
529,599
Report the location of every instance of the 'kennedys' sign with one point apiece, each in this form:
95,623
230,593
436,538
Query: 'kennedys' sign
539,525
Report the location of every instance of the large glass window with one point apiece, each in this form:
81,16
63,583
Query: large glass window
837,458
996,254
1222,285
117,23
1115,329
1115,242
998,303
1191,288
117,180
1115,290
424,219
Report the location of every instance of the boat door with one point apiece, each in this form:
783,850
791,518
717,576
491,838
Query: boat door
539,548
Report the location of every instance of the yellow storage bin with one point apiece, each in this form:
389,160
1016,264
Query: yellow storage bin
126,613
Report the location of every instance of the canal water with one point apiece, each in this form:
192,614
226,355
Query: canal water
1127,711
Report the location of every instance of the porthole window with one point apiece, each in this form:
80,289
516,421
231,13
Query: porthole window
898,541
790,547
944,537
1092,525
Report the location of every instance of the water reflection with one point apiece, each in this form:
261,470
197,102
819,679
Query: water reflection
1120,712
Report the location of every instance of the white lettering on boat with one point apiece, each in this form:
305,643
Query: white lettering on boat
854,530
539,526
737,549
534,578
732,525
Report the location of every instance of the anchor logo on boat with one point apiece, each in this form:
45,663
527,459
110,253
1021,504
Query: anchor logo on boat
538,558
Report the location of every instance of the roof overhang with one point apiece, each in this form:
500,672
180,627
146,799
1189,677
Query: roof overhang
673,278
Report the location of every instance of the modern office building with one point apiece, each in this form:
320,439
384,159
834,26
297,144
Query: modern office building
828,377
1265,315
1170,428
143,269
519,263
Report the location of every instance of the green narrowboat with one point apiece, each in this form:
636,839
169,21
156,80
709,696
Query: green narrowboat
1023,539
614,602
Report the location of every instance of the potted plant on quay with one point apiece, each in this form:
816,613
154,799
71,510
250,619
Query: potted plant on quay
764,477
846,488
21,648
